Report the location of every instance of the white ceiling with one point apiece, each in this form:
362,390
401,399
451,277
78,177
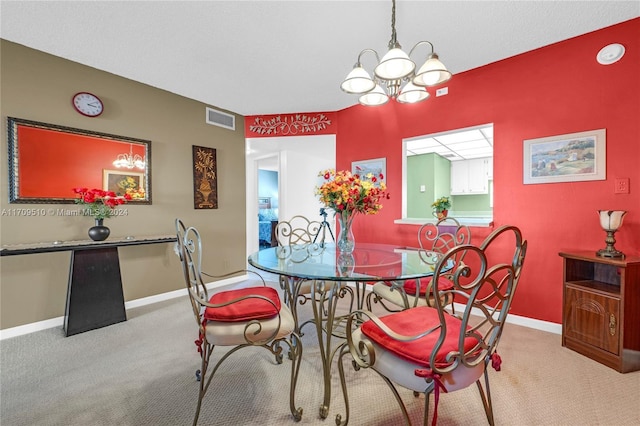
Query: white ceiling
270,57
462,144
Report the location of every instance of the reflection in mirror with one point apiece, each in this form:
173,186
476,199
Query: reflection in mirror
456,164
47,161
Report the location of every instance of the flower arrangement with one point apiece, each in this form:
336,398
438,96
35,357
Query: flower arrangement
349,193
441,204
100,203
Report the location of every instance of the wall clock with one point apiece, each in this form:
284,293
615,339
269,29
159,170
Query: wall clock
87,104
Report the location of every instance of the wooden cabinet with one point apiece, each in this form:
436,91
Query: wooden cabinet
601,309
469,177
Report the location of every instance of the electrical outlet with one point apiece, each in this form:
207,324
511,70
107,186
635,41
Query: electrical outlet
621,186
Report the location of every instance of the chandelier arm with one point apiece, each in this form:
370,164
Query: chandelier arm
420,43
363,52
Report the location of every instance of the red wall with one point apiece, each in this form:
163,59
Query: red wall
550,91
52,163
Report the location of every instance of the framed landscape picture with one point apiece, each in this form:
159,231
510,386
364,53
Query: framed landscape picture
566,158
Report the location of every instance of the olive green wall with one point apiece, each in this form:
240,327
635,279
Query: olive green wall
39,86
470,203
432,171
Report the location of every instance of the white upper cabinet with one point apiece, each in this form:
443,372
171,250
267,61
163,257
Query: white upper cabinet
470,176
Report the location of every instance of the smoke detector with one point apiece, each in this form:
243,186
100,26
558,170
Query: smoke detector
610,54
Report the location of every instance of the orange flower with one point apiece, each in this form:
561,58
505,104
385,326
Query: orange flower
345,192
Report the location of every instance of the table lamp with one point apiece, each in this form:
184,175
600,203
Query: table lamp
611,221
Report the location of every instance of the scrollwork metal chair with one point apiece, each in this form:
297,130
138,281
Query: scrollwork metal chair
239,318
298,238
430,349
438,237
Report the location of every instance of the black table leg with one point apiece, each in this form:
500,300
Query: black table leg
94,294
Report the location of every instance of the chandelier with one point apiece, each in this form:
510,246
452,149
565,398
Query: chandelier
129,160
395,69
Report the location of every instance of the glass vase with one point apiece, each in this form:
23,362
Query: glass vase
346,242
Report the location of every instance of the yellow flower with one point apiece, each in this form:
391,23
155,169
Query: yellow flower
345,192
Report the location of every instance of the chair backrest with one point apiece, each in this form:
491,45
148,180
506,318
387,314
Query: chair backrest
298,230
486,282
443,235
189,247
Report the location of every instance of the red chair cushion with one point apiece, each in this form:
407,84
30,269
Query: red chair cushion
410,285
414,321
244,310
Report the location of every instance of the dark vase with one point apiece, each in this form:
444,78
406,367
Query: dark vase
99,232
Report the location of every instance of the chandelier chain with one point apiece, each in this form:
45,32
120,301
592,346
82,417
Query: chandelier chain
394,36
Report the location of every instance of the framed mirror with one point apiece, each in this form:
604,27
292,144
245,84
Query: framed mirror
47,161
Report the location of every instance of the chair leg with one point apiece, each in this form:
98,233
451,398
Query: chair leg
427,402
486,398
343,383
206,353
295,354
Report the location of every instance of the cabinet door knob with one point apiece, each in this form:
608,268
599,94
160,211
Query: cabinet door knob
612,324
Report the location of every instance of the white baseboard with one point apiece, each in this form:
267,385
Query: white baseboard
547,326
59,321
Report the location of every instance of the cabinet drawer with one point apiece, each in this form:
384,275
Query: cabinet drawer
592,318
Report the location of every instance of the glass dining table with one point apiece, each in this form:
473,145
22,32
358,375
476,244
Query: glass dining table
326,274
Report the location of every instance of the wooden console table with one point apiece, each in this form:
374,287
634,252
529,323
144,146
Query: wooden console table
94,293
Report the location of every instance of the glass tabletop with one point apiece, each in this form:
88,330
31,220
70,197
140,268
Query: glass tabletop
368,262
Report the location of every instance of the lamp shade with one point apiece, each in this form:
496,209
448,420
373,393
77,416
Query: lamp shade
611,220
358,81
375,97
395,65
411,94
432,72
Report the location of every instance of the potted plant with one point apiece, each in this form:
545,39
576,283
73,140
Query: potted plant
441,207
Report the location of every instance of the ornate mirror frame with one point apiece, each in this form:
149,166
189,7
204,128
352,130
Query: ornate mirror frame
47,161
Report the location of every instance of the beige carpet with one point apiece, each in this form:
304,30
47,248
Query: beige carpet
141,372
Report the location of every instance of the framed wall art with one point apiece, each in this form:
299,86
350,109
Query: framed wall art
566,158
205,178
377,166
124,182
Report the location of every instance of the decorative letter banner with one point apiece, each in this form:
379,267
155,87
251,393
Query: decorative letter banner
290,124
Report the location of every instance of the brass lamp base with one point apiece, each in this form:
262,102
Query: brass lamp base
609,250
609,253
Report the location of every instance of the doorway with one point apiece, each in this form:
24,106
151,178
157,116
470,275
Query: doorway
268,200
299,160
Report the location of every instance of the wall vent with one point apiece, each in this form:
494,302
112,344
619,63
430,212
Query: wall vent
220,119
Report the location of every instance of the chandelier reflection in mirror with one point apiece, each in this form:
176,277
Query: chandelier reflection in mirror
129,161
395,68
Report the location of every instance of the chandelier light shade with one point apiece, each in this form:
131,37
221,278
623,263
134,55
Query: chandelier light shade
396,72
377,96
129,161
